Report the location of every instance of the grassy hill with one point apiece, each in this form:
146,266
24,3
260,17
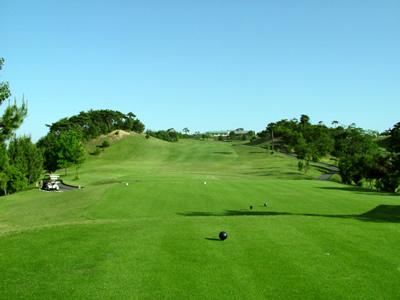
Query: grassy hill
146,226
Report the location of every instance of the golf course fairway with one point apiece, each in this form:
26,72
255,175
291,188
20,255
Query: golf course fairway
146,225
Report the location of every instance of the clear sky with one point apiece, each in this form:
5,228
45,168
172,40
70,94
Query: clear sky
209,64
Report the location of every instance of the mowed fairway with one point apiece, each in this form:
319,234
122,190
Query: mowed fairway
157,236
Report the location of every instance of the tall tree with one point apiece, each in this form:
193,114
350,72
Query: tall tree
49,148
13,115
304,120
70,150
26,157
394,138
11,179
62,150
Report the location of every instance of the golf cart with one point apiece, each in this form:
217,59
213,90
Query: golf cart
51,182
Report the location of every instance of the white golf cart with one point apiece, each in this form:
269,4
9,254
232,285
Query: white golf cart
51,182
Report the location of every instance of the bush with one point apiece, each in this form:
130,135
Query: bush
169,135
96,152
105,144
300,165
336,178
17,180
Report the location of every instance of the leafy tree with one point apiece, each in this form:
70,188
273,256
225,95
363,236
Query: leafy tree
26,157
13,115
16,180
388,178
49,148
12,118
62,150
304,120
4,164
300,165
304,153
335,123
169,135
4,87
394,138
70,150
4,179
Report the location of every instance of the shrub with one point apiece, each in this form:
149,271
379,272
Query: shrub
336,178
96,152
300,165
105,144
17,180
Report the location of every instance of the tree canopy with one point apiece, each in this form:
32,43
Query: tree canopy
62,150
93,123
360,154
169,135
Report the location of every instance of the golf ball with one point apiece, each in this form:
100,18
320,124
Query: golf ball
205,182
223,235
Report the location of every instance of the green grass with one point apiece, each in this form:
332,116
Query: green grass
156,237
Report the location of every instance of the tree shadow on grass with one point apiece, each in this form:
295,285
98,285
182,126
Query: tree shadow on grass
359,190
223,152
257,152
381,213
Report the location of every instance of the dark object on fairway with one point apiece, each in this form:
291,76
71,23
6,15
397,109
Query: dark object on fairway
223,235
251,206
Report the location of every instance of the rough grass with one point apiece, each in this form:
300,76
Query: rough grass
156,236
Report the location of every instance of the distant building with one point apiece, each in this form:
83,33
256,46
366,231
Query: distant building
223,133
240,131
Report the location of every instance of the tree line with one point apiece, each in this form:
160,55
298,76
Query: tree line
170,135
363,155
94,123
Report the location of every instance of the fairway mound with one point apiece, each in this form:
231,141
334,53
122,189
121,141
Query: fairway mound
119,134
113,136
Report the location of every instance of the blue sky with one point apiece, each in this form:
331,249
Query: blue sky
205,64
